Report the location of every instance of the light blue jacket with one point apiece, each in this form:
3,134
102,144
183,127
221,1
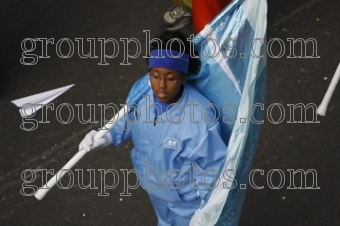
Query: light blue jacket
178,156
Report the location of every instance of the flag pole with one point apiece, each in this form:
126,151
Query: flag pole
326,99
40,194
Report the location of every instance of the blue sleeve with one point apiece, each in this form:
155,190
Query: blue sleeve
122,130
207,158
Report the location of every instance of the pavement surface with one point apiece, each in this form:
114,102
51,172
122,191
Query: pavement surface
282,146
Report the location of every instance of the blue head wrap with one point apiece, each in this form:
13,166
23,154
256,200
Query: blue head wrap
169,59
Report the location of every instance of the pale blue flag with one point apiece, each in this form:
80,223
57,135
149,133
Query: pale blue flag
232,51
234,79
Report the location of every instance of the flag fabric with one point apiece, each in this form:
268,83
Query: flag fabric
30,104
233,76
232,51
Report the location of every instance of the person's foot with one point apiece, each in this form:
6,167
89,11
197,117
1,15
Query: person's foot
176,18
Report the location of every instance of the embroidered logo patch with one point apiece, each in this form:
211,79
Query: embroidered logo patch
171,143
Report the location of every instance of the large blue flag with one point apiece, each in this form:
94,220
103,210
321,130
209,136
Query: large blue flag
234,79
232,51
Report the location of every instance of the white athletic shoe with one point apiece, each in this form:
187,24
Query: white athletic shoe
176,18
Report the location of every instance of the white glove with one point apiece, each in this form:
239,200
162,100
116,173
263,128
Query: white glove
89,144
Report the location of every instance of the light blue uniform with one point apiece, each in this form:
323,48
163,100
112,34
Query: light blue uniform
178,156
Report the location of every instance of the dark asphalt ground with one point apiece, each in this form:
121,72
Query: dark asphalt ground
282,146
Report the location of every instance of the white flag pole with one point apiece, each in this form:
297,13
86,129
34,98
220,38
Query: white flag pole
324,104
40,194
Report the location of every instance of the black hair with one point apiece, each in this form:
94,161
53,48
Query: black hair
168,37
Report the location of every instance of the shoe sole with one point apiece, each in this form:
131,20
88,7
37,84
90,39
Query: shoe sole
180,25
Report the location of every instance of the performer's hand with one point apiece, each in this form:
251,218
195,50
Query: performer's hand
89,144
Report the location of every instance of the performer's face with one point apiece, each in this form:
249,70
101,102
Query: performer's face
166,84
